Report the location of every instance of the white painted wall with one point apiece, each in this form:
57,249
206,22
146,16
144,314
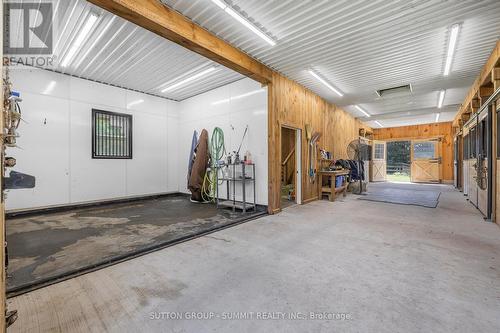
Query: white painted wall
56,138
56,142
232,106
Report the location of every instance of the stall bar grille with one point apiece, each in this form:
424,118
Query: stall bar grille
111,135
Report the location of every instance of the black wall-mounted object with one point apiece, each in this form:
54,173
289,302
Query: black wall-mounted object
111,135
18,180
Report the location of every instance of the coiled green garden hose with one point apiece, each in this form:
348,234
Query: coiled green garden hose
217,149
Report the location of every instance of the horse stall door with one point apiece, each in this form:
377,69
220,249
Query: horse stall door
483,160
426,161
465,161
472,163
378,164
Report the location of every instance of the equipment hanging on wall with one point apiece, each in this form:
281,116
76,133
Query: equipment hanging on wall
200,165
217,150
313,152
18,180
194,143
359,152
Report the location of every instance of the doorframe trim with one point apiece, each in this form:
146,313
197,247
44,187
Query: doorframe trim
298,163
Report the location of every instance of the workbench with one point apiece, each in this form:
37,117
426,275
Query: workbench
331,190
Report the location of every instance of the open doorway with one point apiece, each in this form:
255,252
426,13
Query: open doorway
399,161
290,167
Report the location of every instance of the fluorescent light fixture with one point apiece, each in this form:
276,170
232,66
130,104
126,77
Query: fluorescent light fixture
139,101
189,79
237,16
437,117
227,100
451,48
378,123
80,38
49,88
441,99
103,31
328,85
362,111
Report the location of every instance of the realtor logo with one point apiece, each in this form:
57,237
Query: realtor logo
28,28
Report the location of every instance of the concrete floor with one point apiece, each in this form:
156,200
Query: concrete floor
384,267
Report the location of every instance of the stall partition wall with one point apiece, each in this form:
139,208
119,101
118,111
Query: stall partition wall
232,108
478,161
55,142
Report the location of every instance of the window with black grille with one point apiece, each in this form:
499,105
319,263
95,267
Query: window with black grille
111,135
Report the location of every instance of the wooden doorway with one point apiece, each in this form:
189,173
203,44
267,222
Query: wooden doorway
378,164
399,161
291,167
426,161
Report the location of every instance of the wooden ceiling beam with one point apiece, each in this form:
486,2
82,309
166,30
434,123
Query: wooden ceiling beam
491,64
152,15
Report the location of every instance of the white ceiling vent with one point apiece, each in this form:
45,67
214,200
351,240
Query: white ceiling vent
395,91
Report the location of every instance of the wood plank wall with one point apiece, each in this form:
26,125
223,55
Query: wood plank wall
423,132
294,106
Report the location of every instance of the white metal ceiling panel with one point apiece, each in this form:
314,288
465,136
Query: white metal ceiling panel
120,53
360,46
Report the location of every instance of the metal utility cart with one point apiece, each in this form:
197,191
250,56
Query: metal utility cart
236,173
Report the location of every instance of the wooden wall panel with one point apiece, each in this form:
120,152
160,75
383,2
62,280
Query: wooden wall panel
345,129
292,105
423,132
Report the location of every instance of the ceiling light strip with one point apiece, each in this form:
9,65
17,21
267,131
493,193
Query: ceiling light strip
328,85
362,111
451,48
80,38
437,117
378,123
441,98
189,79
238,17
99,37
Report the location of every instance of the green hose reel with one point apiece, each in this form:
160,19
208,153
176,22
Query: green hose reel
217,150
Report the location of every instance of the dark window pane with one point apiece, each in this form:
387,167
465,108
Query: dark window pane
111,135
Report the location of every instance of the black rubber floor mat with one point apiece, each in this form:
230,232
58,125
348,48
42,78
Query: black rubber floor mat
52,246
429,199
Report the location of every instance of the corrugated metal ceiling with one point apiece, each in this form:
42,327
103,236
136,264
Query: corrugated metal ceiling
358,46
120,53
361,46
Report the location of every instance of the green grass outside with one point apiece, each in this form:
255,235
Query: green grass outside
398,177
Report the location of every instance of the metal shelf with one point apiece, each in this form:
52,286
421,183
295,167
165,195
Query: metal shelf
230,200
237,179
